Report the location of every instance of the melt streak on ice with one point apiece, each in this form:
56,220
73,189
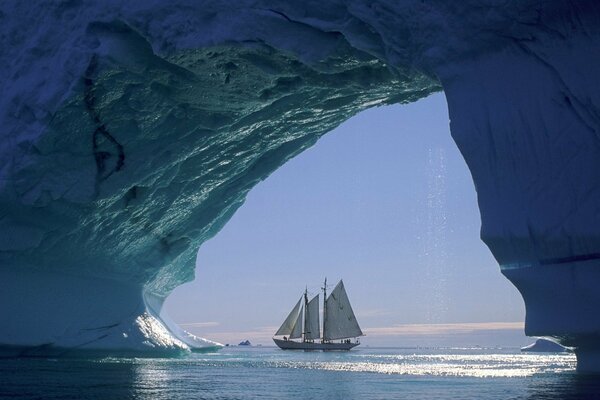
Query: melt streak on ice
131,132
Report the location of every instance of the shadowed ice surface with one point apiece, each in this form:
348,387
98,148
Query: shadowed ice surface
254,373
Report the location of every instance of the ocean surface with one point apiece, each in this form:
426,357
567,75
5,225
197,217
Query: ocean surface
270,373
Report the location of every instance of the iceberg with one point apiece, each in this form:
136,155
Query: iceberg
544,346
131,133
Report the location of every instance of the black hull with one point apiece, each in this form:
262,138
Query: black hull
307,346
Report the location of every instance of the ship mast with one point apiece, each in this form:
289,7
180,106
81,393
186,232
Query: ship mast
305,313
324,309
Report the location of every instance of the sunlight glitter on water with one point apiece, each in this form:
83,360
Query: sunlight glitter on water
477,366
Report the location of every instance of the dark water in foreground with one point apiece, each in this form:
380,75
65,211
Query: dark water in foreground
268,373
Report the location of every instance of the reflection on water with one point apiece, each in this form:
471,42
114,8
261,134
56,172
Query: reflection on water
564,386
31,378
456,365
274,374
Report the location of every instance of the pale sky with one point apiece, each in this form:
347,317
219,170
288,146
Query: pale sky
385,202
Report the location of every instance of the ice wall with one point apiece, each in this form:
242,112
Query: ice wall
132,132
132,135
527,120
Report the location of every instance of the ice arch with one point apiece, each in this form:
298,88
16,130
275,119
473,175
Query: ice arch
131,133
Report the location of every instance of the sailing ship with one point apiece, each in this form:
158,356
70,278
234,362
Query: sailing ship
339,323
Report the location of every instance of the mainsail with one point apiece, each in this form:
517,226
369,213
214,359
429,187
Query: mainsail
291,321
339,321
311,319
297,329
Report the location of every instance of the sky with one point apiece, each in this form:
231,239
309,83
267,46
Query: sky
384,202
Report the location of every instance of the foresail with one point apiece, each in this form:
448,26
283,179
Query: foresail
288,325
340,322
311,319
297,329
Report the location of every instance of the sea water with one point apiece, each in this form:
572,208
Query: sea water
270,373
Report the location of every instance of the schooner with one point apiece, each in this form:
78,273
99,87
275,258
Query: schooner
302,323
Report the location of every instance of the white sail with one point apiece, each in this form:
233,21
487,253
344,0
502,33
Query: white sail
288,325
297,329
311,319
340,322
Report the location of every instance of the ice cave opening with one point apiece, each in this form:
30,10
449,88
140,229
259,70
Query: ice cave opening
387,191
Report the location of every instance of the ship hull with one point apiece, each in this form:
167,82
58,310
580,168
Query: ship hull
307,346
